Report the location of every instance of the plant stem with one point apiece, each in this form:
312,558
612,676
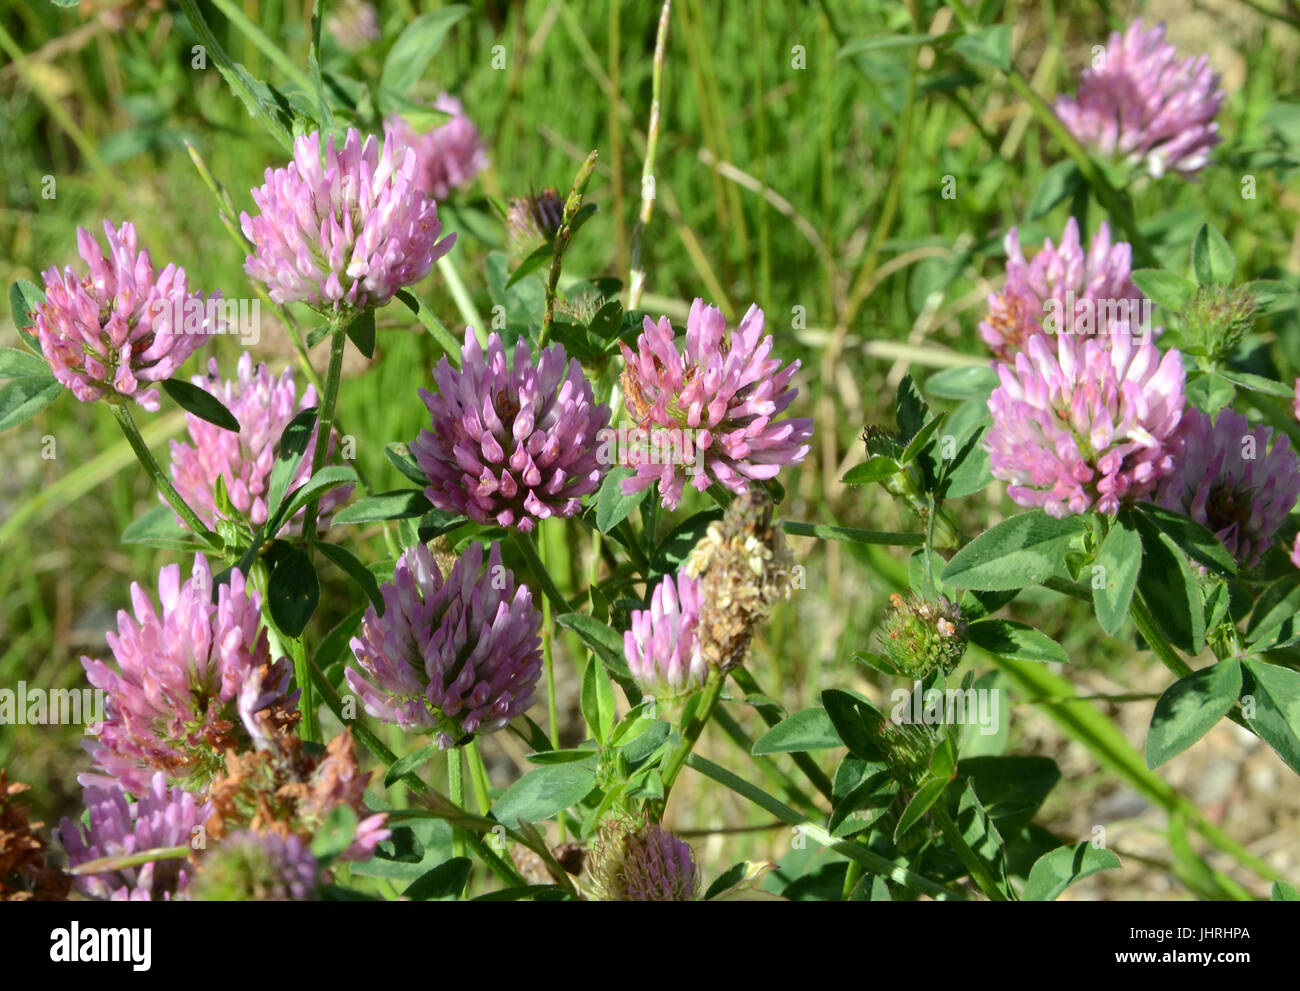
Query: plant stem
265,45
571,207
463,300
456,792
1086,724
1163,649
633,548
127,860
979,872
548,637
616,139
1105,192
421,792
296,647
871,861
226,212
636,278
692,730
236,78
310,727
824,531
161,481
325,422
852,875
551,596
539,572
793,793
478,777
1096,179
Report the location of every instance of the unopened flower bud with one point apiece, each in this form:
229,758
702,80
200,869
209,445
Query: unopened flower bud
923,635
909,748
533,220
1216,318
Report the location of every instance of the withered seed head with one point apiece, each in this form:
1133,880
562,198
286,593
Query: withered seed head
24,875
743,567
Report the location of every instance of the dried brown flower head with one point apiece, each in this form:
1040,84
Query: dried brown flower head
743,567
289,789
24,874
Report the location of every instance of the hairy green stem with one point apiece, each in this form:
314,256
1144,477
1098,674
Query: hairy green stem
325,422
692,730
456,792
823,531
1085,724
478,777
856,852
1163,649
552,596
562,236
979,872
464,301
161,481
128,860
296,647
1105,192
264,44
226,212
236,78
420,792
539,572
793,793
1146,626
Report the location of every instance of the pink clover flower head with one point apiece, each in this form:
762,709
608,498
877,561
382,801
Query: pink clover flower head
450,155
511,445
263,404
1231,482
160,817
1063,289
713,412
172,704
1081,424
123,326
1143,104
661,647
346,232
453,656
